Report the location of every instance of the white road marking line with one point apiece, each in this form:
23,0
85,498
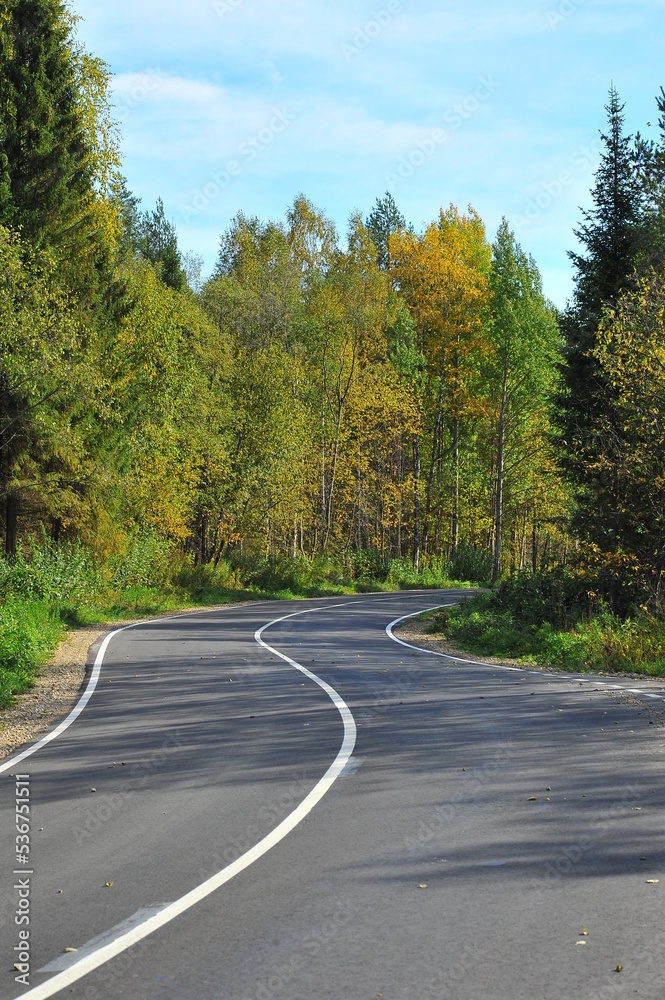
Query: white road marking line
63,962
75,712
498,666
168,913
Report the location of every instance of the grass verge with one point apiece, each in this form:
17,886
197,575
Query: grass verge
487,625
29,631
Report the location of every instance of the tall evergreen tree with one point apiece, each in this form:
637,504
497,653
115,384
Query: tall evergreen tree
384,221
650,163
157,241
46,172
610,236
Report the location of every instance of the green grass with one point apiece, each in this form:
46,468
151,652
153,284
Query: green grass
495,625
29,631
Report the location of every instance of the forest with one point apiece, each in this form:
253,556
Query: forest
383,406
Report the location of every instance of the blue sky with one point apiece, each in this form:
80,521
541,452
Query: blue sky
229,105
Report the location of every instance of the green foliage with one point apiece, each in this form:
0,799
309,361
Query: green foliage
365,566
29,630
147,561
157,241
471,563
384,221
610,236
41,128
45,383
544,619
58,143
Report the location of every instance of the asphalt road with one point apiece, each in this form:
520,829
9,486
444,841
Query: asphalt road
485,821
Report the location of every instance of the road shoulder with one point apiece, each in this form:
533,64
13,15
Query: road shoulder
54,693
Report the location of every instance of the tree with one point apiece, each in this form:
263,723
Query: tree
630,438
58,142
384,221
526,341
443,277
610,236
348,316
650,167
45,389
157,241
41,128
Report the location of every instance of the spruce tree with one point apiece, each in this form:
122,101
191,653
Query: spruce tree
157,241
650,163
383,221
610,236
45,173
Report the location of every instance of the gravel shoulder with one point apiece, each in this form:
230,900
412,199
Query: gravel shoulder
54,693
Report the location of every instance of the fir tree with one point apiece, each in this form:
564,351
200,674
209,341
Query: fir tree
650,164
45,172
610,236
157,241
383,221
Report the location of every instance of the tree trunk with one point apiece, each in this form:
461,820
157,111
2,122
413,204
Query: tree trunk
455,519
11,510
499,475
323,476
416,502
435,444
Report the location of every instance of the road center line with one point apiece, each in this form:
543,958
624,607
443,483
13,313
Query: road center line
131,937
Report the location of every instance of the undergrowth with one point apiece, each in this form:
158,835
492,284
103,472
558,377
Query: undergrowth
544,619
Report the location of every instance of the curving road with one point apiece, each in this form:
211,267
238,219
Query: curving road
278,800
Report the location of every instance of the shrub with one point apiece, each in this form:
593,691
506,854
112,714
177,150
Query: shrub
147,562
470,563
56,574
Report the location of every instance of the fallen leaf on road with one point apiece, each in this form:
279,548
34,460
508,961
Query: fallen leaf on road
70,950
108,885
652,881
423,885
534,798
619,968
581,942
